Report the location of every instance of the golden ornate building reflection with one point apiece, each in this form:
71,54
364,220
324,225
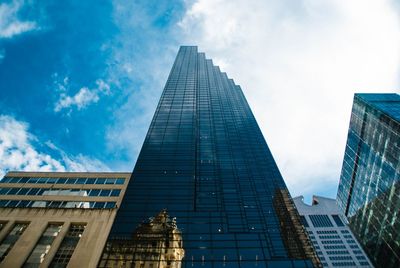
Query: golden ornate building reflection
156,243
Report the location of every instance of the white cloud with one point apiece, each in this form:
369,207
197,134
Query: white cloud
299,64
82,98
18,152
102,86
10,24
140,69
79,162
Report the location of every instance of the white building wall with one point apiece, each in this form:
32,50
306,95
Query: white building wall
334,243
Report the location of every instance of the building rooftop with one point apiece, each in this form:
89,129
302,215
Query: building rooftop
319,204
388,103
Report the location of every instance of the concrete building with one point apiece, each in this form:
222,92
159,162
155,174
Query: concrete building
333,241
57,219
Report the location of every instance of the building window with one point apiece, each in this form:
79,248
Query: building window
12,237
325,242
68,245
304,221
321,221
338,221
327,232
348,263
334,247
55,204
64,180
338,252
43,245
340,258
2,224
329,237
55,191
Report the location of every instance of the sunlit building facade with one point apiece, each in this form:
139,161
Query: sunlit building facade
332,239
369,188
206,163
57,219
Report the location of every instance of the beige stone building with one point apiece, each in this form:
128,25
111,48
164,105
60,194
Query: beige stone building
54,219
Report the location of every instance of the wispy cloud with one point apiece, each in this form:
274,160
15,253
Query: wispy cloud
78,162
10,23
143,54
18,151
83,98
299,64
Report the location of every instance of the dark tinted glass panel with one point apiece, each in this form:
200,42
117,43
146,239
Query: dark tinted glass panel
338,221
304,221
321,221
120,181
205,161
90,181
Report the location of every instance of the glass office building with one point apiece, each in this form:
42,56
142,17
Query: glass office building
206,163
369,189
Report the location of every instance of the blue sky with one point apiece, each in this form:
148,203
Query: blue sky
80,80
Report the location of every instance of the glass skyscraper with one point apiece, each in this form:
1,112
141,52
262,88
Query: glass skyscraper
205,162
369,189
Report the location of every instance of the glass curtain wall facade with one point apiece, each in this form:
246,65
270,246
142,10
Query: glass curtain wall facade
369,189
205,161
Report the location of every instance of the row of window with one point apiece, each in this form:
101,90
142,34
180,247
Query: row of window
334,247
340,258
50,191
332,242
322,221
337,252
42,247
327,232
55,204
329,237
348,263
63,180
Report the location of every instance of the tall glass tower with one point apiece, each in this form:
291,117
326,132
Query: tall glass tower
369,188
205,162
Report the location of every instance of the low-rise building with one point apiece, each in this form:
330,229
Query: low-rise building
57,219
333,241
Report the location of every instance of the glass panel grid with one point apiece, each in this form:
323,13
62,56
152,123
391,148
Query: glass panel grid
68,245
